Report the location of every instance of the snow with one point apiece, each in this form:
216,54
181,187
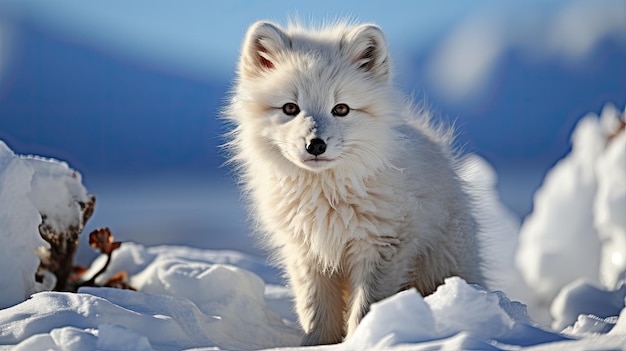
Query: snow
19,220
232,314
610,206
581,298
577,222
556,280
57,193
37,195
555,237
183,303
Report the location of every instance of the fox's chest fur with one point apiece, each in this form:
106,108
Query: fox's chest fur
324,212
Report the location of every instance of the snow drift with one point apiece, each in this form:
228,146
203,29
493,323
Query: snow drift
568,267
577,227
37,196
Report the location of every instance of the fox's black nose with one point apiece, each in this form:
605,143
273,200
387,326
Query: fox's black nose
316,147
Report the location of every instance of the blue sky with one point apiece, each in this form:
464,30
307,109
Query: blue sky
195,35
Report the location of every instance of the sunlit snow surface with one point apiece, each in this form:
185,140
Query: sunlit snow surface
568,268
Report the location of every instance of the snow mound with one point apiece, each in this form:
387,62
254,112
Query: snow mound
37,196
454,308
577,229
610,208
134,258
19,220
581,298
183,303
189,304
551,248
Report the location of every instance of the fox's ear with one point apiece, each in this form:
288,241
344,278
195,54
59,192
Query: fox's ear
263,42
367,48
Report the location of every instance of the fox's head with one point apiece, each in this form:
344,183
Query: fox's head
318,99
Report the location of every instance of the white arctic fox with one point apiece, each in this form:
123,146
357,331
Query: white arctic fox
356,193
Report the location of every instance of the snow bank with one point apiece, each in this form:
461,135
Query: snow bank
19,220
186,301
38,197
610,207
577,229
558,242
196,304
224,308
454,308
581,298
94,316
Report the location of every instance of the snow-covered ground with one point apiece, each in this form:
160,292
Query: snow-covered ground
557,278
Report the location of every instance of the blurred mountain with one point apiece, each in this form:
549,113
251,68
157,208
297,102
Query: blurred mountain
528,112
102,114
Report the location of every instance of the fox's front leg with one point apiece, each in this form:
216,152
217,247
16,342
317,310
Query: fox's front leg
319,301
373,273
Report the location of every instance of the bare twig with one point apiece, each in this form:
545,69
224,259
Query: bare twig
101,239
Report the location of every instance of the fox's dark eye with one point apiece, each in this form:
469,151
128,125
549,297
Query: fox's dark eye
340,110
291,109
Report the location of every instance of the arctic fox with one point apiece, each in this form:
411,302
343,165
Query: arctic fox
355,191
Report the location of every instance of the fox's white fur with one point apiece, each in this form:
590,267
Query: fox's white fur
381,209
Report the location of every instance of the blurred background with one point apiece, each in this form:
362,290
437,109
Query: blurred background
128,93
